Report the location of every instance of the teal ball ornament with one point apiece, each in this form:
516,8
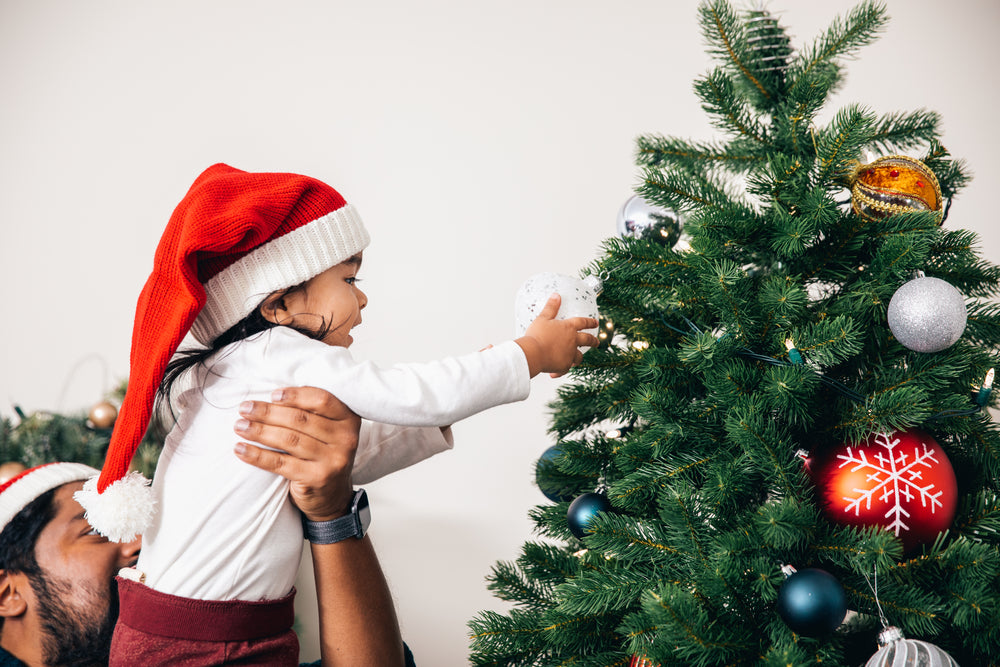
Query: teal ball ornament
812,602
584,510
545,471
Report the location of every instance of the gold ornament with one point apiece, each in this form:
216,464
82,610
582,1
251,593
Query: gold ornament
10,469
103,415
894,184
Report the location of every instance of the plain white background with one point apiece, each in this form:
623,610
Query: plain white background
481,141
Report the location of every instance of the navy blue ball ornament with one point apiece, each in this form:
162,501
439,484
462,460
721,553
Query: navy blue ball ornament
812,602
583,510
545,470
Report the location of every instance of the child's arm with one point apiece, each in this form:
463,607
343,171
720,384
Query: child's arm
435,393
551,345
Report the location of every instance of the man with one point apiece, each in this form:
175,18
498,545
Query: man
58,596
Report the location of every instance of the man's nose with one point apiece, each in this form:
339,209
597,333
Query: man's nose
130,551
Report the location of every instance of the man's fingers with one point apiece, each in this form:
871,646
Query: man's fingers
313,400
266,459
279,434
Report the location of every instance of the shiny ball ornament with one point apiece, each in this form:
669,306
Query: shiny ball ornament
583,510
894,184
927,314
812,602
544,467
900,481
638,219
10,469
897,651
579,298
102,415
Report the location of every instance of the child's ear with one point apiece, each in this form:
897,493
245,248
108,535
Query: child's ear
273,309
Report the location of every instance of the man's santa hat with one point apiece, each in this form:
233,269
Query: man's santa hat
235,238
19,491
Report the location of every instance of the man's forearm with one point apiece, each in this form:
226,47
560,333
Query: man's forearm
358,624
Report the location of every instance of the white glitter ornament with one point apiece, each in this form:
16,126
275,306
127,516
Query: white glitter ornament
897,651
579,298
927,314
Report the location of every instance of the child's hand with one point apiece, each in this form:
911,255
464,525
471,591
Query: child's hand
551,345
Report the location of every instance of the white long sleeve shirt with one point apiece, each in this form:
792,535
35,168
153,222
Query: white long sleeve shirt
226,530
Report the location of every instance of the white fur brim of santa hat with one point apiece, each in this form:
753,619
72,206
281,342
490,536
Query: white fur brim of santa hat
18,492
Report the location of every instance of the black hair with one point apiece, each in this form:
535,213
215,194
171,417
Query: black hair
18,539
252,324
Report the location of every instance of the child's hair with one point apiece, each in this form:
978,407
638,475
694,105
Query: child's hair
252,324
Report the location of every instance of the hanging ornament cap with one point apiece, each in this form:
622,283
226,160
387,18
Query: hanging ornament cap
894,184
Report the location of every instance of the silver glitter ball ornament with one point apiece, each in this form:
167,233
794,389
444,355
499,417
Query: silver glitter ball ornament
897,651
927,314
638,219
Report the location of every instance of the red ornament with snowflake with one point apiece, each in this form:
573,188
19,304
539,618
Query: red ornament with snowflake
641,661
901,481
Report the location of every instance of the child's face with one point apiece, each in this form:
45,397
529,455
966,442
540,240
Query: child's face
333,294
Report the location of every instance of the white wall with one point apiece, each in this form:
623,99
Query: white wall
482,142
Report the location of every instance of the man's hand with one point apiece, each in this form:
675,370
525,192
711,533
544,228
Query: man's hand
318,436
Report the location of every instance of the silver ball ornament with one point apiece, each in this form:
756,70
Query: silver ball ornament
927,314
579,298
897,651
639,219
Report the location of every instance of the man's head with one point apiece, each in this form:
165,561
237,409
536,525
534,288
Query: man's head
58,598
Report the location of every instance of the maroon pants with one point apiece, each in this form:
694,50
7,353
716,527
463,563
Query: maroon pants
159,629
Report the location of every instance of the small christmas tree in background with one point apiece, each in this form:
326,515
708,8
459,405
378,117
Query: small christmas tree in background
781,453
44,437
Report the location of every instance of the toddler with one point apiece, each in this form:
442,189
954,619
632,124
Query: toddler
261,269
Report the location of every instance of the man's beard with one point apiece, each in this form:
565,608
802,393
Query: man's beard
71,636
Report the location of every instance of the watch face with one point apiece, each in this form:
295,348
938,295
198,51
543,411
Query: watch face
362,510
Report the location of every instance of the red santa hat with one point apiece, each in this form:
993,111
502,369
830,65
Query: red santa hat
18,491
235,238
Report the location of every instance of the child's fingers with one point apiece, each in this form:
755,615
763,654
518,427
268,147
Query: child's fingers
580,323
587,340
551,307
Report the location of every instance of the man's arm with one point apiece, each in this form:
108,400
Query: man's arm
358,624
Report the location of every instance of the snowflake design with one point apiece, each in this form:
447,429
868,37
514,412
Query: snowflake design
896,477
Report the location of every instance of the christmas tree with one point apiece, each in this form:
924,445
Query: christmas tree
783,448
81,437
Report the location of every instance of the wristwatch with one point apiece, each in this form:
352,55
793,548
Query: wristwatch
353,524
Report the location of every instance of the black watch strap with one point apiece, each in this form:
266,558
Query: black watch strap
352,524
